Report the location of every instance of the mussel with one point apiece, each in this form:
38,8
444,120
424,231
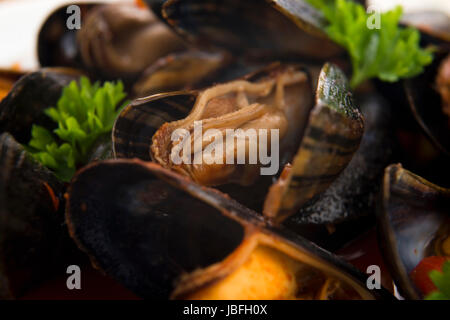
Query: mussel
33,237
414,223
30,95
162,235
331,137
32,232
265,103
320,139
273,29
116,40
56,43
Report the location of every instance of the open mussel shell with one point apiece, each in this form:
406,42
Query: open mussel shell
56,43
162,235
276,100
30,95
412,216
426,104
332,135
328,133
117,40
31,219
138,122
270,27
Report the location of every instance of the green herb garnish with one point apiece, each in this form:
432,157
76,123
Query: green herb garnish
388,53
442,282
83,113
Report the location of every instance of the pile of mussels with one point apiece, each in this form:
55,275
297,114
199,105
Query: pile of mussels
223,231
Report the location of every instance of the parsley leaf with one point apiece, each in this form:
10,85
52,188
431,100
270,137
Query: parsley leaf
388,53
84,112
442,282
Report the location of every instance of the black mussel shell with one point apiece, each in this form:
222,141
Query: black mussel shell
150,228
412,213
270,27
56,43
150,233
331,137
138,122
31,220
354,193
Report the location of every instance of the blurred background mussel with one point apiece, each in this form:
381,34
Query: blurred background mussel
270,27
116,41
414,221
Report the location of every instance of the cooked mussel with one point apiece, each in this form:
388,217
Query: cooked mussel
279,97
267,103
270,27
32,232
115,40
414,221
124,40
57,44
30,95
33,237
162,235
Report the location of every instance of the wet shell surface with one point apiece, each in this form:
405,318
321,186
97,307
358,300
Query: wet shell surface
162,235
413,219
31,220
